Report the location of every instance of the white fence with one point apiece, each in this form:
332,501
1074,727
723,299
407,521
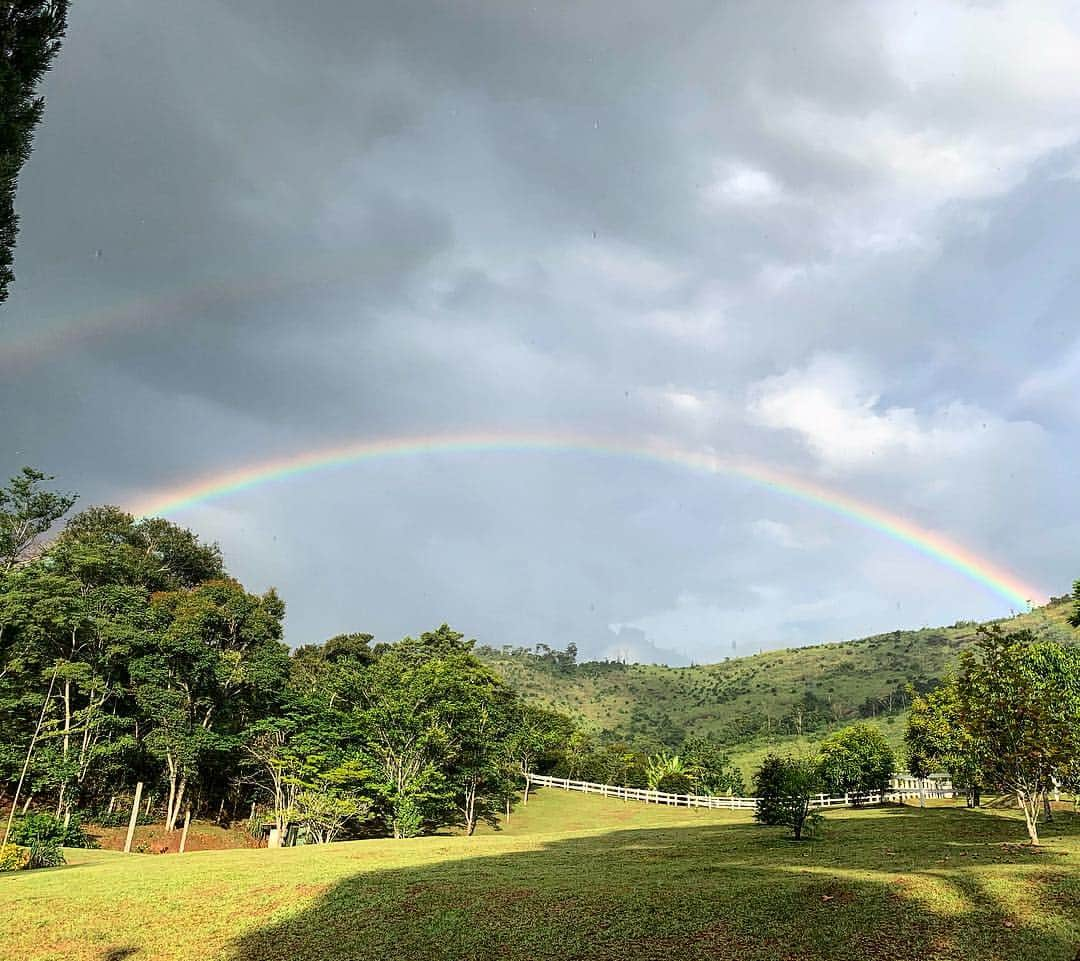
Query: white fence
901,788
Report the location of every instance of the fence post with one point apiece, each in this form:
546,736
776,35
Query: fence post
134,818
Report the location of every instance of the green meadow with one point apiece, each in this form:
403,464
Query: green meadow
573,876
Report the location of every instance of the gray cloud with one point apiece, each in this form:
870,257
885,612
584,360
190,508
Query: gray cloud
251,229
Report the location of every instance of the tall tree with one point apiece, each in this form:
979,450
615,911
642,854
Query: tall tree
1019,700
213,663
26,512
30,35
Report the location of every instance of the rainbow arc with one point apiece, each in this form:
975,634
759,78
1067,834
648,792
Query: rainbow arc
931,544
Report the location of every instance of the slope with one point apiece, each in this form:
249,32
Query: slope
761,698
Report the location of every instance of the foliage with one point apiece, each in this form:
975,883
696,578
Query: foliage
30,35
937,741
41,836
783,787
665,766
675,782
45,854
14,857
857,760
41,828
1019,703
711,769
27,512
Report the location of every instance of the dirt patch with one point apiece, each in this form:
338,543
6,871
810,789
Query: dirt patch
154,839
828,892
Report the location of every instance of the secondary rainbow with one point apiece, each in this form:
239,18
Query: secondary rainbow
930,543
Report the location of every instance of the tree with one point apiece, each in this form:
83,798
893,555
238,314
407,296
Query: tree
1019,702
405,706
783,787
30,35
213,659
857,760
534,733
711,770
481,728
26,511
936,740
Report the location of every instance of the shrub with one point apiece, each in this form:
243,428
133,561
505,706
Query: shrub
42,828
783,786
857,759
45,854
406,818
14,857
675,783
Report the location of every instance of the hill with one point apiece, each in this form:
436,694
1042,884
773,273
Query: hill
769,698
676,884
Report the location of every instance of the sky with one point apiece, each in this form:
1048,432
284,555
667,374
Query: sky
840,240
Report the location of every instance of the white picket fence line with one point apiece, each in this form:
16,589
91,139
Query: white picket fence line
901,788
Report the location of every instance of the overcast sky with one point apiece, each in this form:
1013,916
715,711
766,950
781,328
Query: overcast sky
843,240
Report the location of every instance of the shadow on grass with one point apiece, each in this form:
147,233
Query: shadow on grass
872,888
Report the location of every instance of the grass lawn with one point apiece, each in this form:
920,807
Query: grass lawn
576,876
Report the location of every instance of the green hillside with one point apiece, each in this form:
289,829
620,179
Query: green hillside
752,702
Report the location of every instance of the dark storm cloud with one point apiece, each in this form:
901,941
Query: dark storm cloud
799,233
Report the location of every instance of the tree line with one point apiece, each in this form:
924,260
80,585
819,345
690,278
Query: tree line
129,654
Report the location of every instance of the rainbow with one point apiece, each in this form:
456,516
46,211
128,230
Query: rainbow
39,340
937,547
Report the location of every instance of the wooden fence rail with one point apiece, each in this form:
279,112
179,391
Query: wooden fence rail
901,788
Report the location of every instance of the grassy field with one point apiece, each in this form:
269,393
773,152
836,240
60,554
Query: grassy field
576,876
748,702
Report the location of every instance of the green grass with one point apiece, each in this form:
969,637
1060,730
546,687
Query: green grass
577,876
747,702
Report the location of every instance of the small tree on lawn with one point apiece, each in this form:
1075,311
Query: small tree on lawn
783,787
1020,702
857,760
535,732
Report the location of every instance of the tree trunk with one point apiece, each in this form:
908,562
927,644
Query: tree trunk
172,789
1030,806
470,809
173,814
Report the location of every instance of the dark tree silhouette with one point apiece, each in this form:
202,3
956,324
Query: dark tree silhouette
30,34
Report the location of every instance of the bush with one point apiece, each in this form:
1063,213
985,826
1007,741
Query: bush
14,857
45,854
783,786
675,783
44,829
857,760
